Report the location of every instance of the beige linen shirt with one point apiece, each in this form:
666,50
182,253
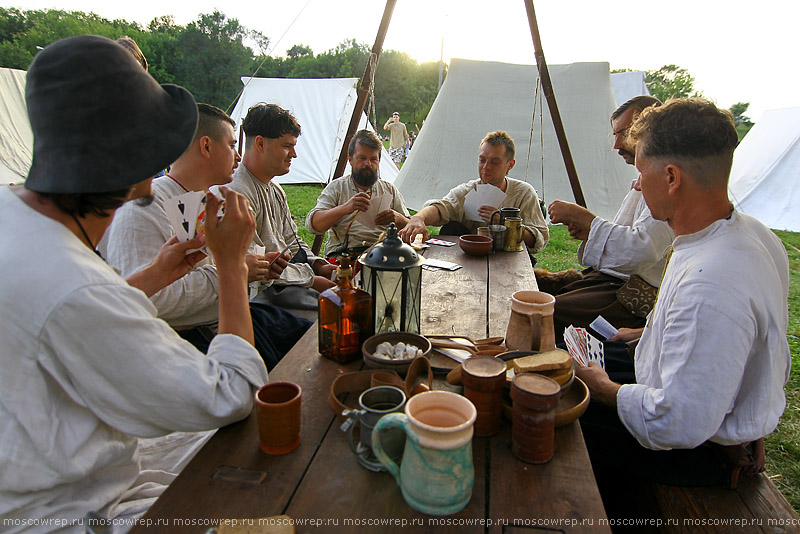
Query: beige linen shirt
338,192
275,227
519,194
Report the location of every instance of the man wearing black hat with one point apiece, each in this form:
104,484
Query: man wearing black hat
87,365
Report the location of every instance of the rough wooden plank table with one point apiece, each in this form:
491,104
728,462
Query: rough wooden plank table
321,486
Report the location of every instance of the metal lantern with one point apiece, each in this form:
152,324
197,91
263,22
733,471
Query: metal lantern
392,274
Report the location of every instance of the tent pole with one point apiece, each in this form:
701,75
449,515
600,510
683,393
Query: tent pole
547,88
364,89
361,101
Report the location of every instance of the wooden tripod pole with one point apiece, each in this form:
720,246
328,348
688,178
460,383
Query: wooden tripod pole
366,85
547,88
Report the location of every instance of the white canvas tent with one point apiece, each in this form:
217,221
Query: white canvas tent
323,107
765,178
16,138
478,97
628,84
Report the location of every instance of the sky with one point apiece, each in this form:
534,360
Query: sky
736,51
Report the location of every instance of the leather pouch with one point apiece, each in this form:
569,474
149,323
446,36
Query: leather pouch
637,296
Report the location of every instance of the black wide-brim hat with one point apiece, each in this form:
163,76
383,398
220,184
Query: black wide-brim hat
100,122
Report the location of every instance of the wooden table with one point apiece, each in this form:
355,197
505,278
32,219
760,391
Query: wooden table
322,487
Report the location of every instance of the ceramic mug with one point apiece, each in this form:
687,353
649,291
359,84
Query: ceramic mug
278,415
436,474
531,326
373,404
503,213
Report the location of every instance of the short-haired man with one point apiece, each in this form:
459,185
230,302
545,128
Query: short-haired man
624,256
87,365
398,138
495,160
191,303
341,204
713,358
271,134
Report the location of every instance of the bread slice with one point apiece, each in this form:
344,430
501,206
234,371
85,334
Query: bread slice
544,361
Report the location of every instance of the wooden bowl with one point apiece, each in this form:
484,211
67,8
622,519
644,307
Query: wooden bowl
572,403
475,245
399,366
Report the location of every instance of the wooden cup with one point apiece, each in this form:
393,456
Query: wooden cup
484,378
278,414
535,398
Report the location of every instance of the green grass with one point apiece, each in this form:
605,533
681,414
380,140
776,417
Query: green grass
783,447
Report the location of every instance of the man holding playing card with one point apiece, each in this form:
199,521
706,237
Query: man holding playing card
355,208
495,160
713,358
271,134
87,365
191,303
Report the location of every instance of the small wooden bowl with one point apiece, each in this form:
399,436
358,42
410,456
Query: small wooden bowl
399,366
475,245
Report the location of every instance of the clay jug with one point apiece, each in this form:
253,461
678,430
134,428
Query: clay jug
531,324
436,474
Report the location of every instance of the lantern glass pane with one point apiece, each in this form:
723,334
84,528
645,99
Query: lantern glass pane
413,299
387,295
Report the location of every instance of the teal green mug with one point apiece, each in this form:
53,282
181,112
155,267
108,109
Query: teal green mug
436,474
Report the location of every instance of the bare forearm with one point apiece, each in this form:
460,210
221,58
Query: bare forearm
234,306
429,215
323,220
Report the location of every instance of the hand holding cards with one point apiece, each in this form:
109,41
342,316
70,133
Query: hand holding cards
583,347
229,237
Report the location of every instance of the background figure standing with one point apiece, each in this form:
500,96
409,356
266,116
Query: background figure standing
398,136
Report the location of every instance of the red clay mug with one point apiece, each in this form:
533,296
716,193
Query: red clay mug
278,414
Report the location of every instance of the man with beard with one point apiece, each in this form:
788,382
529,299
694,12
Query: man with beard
355,208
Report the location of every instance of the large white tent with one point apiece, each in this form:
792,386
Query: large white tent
16,137
323,107
765,178
478,97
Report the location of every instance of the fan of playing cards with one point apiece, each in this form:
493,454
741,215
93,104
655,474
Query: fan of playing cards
187,214
583,347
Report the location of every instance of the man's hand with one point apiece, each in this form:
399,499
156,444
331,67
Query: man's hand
170,264
229,238
279,263
358,202
257,267
486,213
627,334
578,219
414,226
324,269
600,385
390,216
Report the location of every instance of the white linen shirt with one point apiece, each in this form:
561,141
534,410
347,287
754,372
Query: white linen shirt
337,193
275,227
519,194
633,243
713,360
86,367
134,239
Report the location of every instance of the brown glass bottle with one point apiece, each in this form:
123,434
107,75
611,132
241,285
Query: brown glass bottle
345,317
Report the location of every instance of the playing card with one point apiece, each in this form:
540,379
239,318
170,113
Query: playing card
255,286
596,352
440,242
482,195
603,327
183,211
378,204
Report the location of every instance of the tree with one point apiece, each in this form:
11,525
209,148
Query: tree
210,58
742,121
670,81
